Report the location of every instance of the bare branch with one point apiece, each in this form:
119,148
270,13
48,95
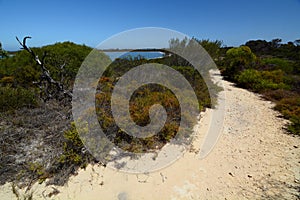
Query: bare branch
58,86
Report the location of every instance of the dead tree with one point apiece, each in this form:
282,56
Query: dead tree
51,88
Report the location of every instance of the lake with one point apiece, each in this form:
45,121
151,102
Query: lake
134,54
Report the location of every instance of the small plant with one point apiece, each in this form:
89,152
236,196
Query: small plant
73,149
38,170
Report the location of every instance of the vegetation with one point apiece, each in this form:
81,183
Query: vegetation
14,98
55,149
74,152
271,69
213,48
140,103
238,59
3,53
25,72
49,122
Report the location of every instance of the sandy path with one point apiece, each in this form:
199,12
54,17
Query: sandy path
253,159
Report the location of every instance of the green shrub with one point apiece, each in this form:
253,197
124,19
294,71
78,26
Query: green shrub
275,76
279,63
236,60
38,170
261,80
72,149
26,75
14,98
249,78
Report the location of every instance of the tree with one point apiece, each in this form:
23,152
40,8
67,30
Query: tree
259,47
275,43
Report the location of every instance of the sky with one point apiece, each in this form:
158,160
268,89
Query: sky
90,22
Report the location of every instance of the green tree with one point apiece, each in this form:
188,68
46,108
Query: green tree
259,47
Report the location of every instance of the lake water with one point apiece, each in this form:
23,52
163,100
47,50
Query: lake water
144,54
147,55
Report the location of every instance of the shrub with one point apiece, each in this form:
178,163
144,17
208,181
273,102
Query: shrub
26,75
294,127
238,59
38,170
277,95
72,146
276,76
290,108
141,101
279,63
14,98
7,80
261,80
248,78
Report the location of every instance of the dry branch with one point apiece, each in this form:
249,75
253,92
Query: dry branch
59,90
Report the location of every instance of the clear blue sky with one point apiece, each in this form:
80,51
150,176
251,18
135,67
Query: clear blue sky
90,22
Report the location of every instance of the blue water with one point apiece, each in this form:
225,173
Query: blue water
147,55
114,55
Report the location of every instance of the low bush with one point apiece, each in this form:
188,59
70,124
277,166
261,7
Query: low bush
290,108
278,63
7,80
14,98
73,149
261,80
277,95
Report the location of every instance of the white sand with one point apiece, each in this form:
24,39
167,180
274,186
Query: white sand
253,159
